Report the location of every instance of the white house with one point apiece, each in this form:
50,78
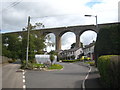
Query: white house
89,50
71,53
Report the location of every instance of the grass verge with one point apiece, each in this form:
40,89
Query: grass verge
55,66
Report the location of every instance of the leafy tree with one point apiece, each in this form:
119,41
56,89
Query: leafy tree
108,41
73,45
11,46
15,47
48,41
52,57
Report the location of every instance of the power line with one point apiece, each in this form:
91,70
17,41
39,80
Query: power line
11,5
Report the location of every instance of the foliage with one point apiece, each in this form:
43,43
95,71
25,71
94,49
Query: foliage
53,52
108,41
15,47
30,65
55,66
52,57
48,41
73,45
35,65
11,46
108,66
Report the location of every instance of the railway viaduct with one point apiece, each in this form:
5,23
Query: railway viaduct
77,30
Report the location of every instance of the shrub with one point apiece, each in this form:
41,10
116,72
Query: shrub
10,61
52,57
108,67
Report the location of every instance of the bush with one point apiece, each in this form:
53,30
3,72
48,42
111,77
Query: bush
11,61
52,57
108,66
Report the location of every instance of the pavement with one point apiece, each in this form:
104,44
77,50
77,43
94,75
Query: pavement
93,80
10,77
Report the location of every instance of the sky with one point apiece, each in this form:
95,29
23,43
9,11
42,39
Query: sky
57,13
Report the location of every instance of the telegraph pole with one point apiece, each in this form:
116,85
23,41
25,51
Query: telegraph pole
28,29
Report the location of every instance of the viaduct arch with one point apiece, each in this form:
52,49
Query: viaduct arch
77,30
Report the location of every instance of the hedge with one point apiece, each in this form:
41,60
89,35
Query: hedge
108,41
108,66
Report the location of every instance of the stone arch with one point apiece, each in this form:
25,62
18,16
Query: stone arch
50,47
63,32
82,31
66,34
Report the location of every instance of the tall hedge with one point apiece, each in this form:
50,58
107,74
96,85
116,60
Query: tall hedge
109,69
108,41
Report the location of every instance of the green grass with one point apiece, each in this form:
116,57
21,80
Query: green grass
55,66
91,63
37,65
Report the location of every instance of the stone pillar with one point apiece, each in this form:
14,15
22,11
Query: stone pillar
58,43
78,44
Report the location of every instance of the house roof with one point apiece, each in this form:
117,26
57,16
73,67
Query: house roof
90,45
70,50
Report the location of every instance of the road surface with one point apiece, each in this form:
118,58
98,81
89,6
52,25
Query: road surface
70,77
11,78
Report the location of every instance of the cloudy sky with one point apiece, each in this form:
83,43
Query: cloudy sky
57,13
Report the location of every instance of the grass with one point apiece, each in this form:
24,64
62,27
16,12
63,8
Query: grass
55,66
37,65
90,63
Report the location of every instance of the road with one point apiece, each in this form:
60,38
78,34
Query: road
11,78
70,77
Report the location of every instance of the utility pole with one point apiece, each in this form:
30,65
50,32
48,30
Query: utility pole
28,29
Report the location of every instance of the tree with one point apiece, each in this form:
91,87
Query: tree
48,41
36,41
11,46
73,45
52,57
15,47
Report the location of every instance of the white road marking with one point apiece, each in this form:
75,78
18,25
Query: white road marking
83,84
23,77
24,86
23,80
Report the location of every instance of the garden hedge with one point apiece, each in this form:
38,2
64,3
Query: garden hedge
108,41
108,66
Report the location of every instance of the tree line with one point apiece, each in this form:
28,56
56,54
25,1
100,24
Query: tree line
14,45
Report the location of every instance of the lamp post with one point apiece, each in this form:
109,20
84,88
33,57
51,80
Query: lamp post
93,16
28,29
